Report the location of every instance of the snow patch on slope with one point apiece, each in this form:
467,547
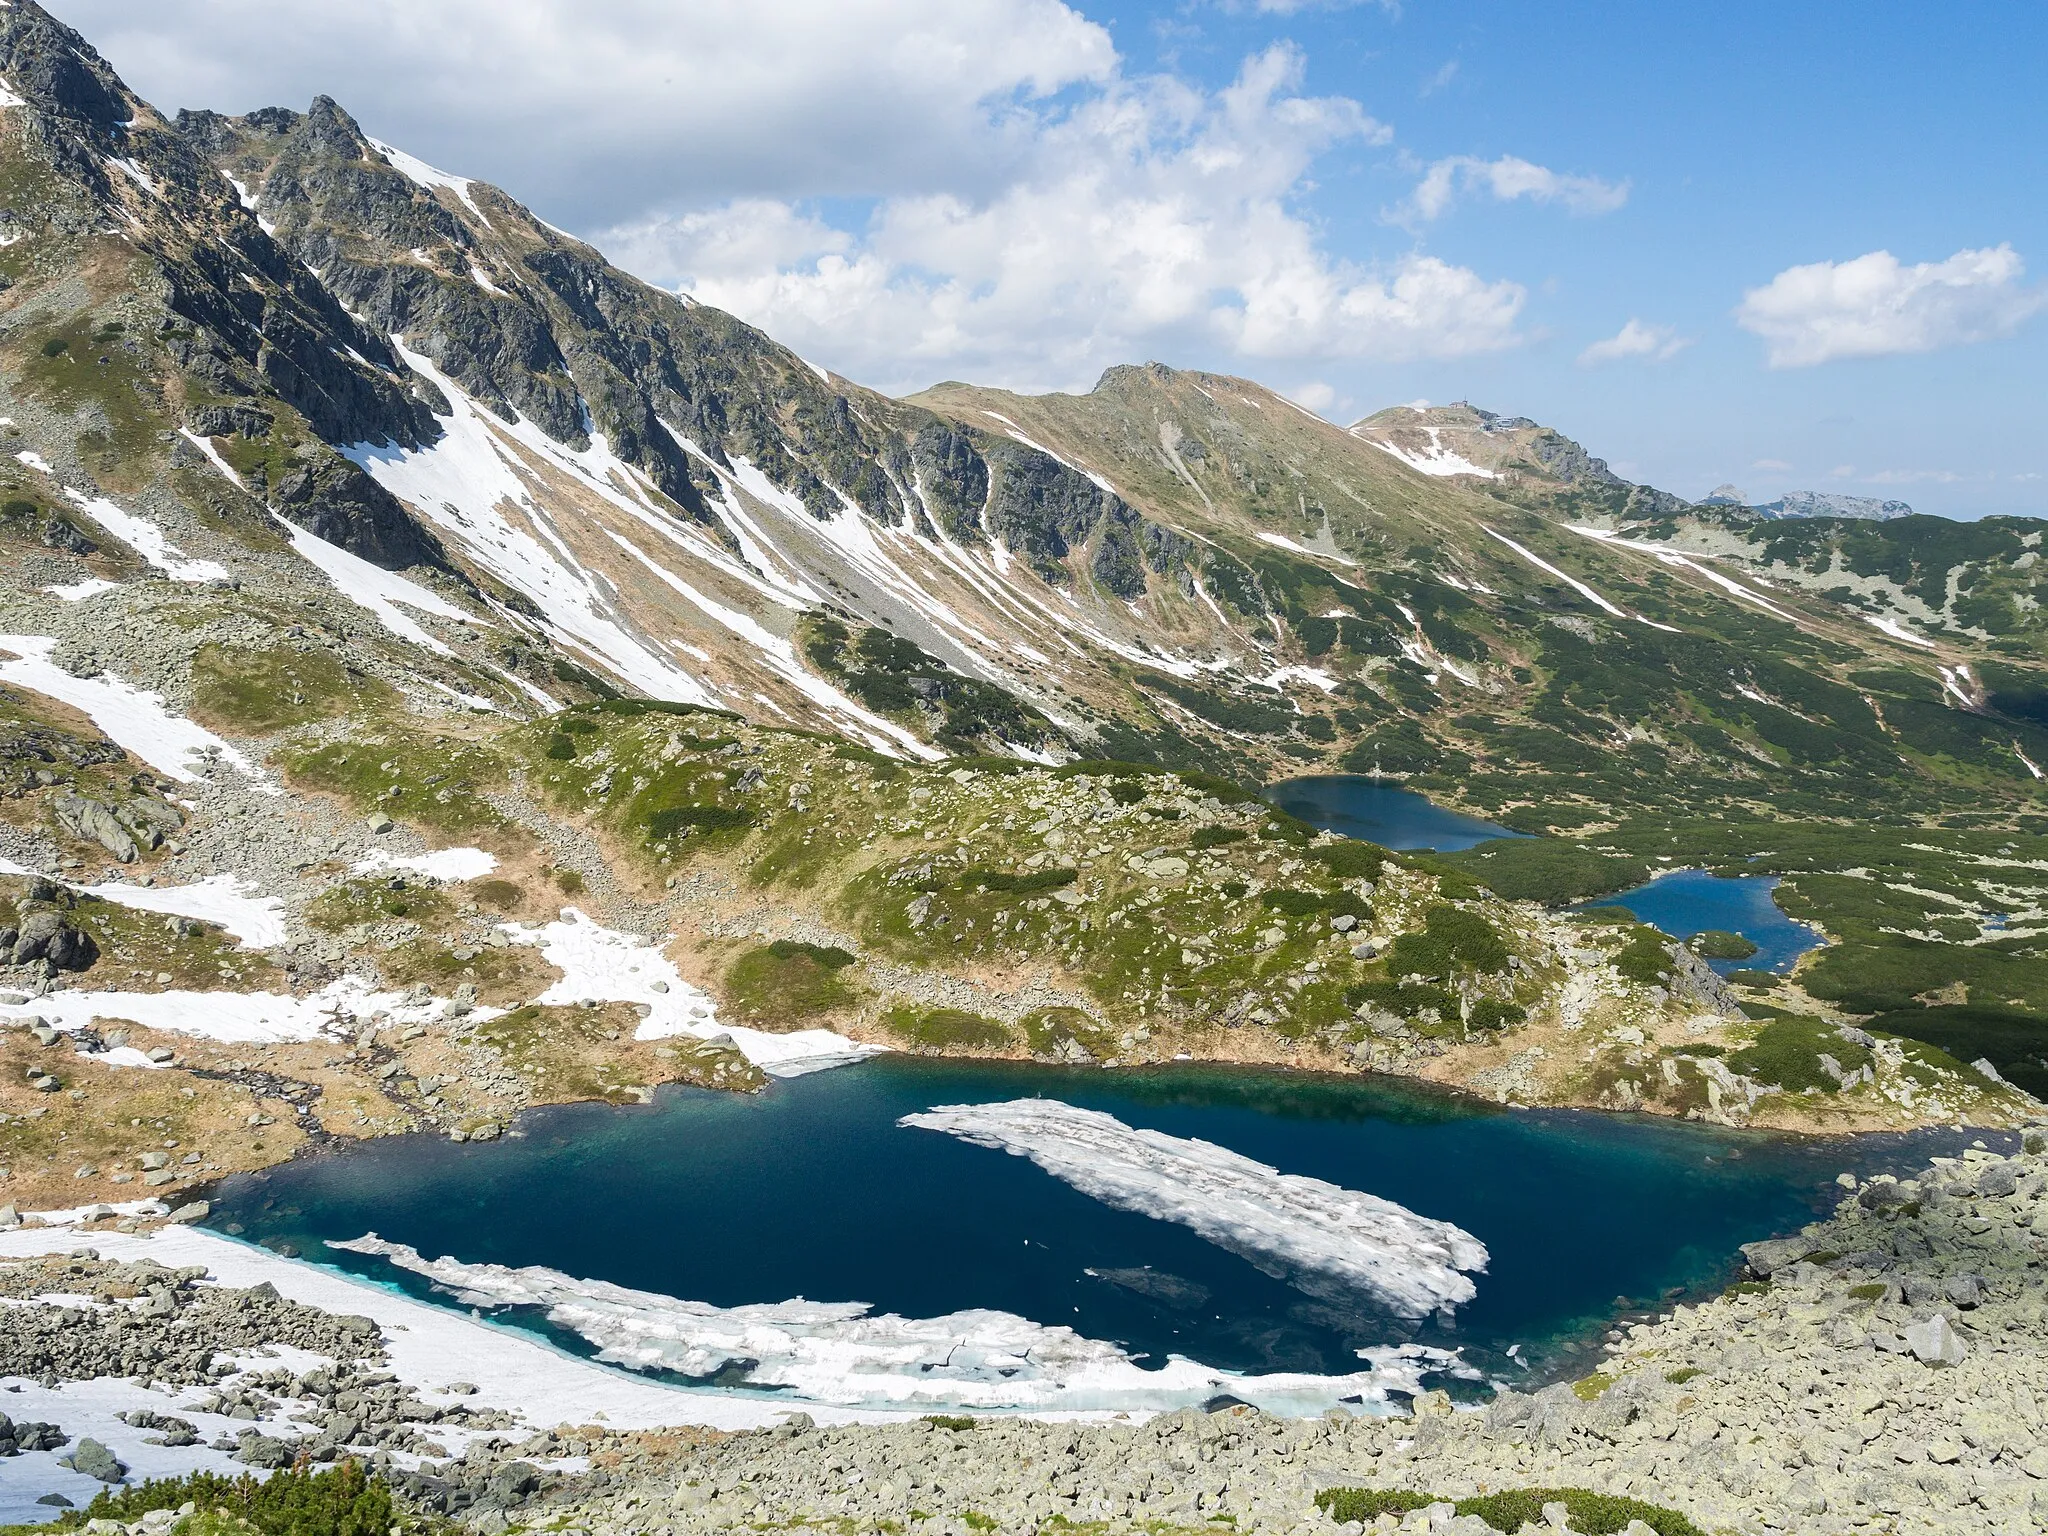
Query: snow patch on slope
1439,460
1322,1239
79,591
428,1346
840,1353
1685,562
455,864
1573,582
257,922
380,591
1012,430
147,540
780,657
132,718
425,175
267,1018
1897,631
460,483
600,964
1282,541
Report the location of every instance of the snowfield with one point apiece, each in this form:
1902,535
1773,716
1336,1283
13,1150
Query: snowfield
603,965
132,718
230,1017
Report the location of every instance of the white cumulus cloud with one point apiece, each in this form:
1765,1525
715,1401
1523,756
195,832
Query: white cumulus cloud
1635,339
1875,306
1505,180
593,110
1152,218
900,188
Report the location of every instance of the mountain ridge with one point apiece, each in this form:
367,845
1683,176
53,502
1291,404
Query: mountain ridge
390,495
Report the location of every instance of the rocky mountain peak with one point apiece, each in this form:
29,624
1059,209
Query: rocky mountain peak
56,71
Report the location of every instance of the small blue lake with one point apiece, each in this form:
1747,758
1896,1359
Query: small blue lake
1691,901
812,1189
1355,805
1682,903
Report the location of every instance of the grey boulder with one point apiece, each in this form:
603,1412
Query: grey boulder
1934,1343
96,1461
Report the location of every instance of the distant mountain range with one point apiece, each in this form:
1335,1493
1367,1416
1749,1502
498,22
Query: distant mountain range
1810,504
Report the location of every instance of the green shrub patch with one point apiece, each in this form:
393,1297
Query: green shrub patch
1493,1013
2016,1043
788,982
1293,903
1365,1505
342,1500
1593,1514
941,1027
1718,944
1646,958
666,823
1027,880
1787,1052
1451,940
1351,860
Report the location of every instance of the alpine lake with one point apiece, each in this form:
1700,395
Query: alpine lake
812,1188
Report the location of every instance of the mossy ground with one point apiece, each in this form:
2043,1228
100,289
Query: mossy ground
572,1053
434,780
788,985
254,692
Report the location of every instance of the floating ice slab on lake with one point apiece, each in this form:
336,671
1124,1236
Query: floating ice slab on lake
1318,1237
840,1353
602,965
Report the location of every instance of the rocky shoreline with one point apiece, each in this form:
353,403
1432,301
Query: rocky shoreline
1884,1370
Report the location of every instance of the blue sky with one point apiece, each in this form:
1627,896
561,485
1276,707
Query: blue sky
1753,138
1358,203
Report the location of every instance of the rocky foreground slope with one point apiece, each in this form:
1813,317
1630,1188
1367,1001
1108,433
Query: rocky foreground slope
1885,1370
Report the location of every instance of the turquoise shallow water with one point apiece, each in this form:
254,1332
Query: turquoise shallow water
1690,901
811,1189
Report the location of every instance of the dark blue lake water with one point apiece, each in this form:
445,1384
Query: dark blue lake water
1682,903
1379,812
811,1189
1690,901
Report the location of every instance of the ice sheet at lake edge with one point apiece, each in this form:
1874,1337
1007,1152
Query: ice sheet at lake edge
839,1353
1322,1239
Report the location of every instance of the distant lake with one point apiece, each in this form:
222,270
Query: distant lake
1357,806
1689,901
